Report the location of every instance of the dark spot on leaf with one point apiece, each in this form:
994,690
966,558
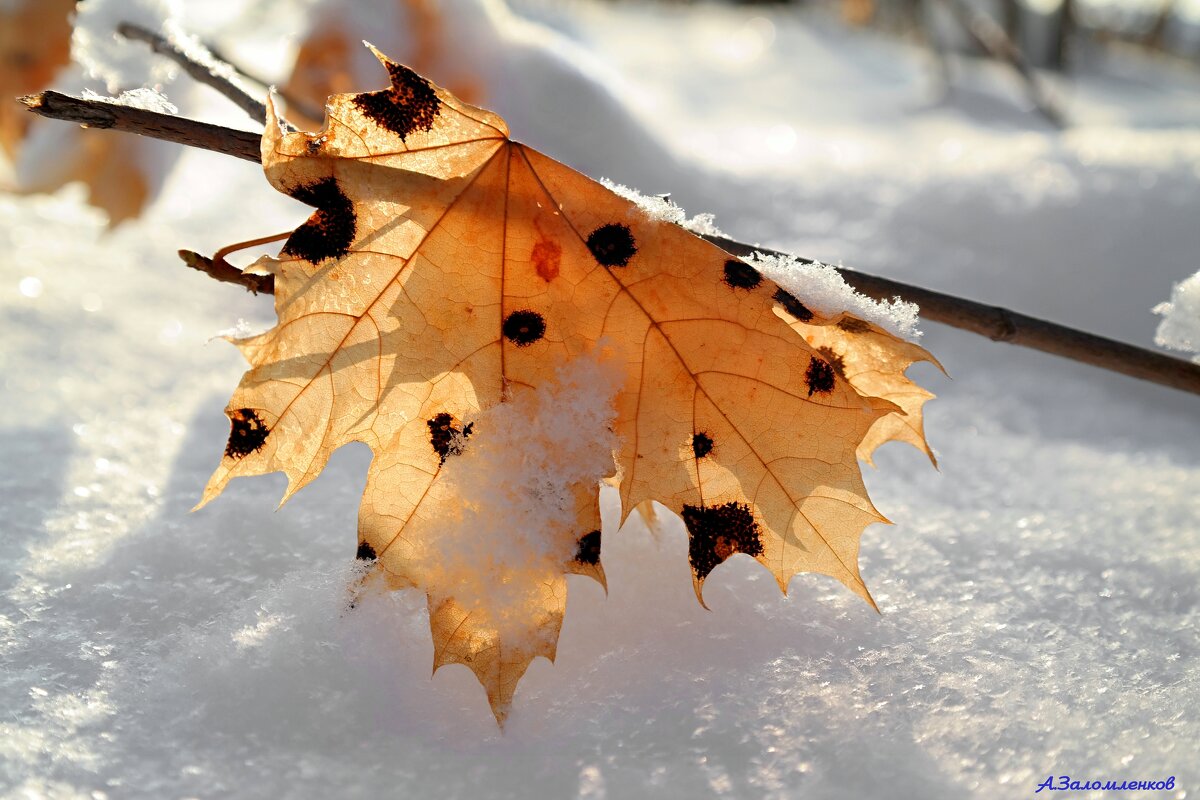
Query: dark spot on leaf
835,361
411,104
546,257
793,306
446,437
588,551
702,444
523,328
365,552
612,245
740,275
852,325
247,433
819,377
330,231
715,533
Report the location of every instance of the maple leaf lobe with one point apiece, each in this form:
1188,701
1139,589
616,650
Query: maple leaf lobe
740,275
588,551
523,328
612,244
247,433
330,231
793,306
717,532
702,444
411,104
819,377
446,437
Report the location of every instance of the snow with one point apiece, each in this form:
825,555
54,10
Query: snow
108,57
1180,328
1038,594
661,208
826,292
146,99
505,515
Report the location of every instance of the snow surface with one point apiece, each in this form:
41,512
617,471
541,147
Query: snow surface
1039,594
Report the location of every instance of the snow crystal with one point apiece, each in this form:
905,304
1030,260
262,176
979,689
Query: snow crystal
661,208
146,99
1180,328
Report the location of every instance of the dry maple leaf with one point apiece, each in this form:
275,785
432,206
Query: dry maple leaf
450,277
35,42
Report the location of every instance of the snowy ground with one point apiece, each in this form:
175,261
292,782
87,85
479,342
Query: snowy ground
1040,596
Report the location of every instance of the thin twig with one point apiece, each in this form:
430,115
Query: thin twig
994,322
988,34
294,102
204,67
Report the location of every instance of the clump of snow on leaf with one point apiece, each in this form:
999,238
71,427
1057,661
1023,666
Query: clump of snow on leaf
1180,328
823,289
661,208
513,490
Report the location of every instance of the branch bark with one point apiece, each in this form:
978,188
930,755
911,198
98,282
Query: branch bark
994,322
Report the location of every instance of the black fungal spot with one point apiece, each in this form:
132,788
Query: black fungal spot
835,361
702,444
852,325
330,231
819,377
446,437
793,306
612,245
740,275
523,328
588,551
365,552
715,533
411,104
247,433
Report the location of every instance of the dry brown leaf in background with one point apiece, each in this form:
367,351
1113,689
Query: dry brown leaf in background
113,168
35,42
436,306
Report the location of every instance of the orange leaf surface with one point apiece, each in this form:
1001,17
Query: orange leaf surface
457,297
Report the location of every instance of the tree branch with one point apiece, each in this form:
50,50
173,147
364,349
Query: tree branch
101,114
994,322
